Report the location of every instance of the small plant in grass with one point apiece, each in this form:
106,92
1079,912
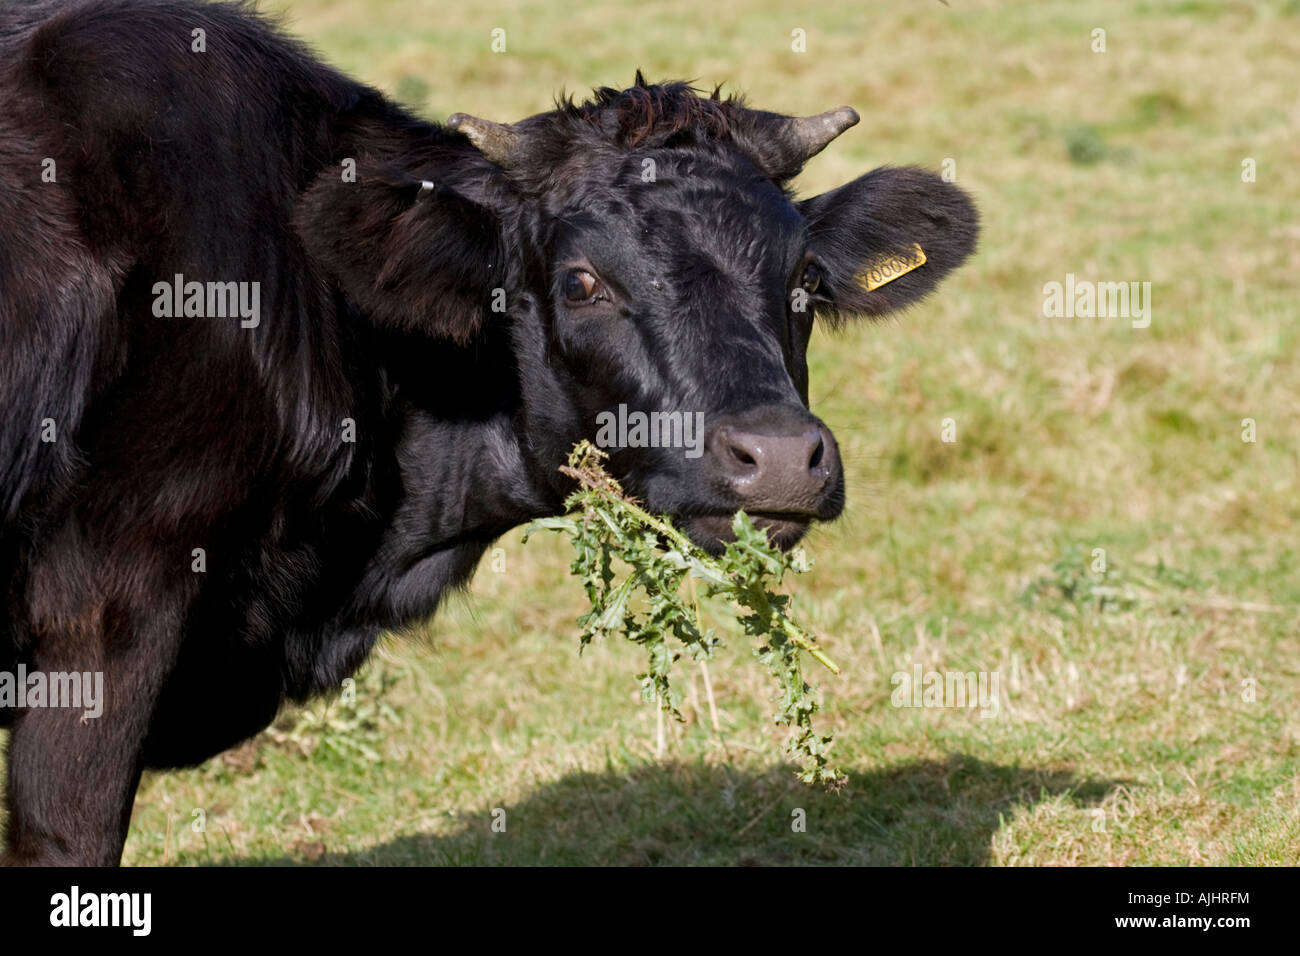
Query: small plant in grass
1074,586
646,603
347,726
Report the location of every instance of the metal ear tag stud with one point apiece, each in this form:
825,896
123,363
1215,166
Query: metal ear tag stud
426,187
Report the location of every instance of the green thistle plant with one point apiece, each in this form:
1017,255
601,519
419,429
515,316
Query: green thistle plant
604,523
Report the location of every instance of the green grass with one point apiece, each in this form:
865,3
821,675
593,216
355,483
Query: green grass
1125,735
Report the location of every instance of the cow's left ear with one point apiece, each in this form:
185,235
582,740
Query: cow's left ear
887,238
410,252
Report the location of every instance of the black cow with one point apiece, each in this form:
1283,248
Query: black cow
281,360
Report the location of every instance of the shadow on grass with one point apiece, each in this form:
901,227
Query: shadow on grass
925,813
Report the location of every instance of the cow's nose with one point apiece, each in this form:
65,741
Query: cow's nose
775,465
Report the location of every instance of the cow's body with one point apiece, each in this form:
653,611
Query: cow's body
181,434
230,513
200,433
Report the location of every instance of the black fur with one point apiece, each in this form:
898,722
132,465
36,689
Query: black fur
377,308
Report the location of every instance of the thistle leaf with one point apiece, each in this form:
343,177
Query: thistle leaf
604,524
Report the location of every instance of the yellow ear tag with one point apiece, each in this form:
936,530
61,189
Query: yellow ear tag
887,270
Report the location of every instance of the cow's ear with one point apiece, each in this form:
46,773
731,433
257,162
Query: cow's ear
410,252
887,238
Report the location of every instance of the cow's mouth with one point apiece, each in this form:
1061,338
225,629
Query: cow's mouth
712,532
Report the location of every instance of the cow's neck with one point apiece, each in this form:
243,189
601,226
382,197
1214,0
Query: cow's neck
463,483
468,479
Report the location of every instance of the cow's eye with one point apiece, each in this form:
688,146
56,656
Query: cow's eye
581,286
812,278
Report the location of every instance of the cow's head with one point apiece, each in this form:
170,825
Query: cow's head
659,282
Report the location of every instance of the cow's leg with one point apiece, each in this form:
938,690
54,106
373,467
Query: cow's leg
72,778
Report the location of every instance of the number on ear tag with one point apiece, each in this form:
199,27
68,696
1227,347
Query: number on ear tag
887,270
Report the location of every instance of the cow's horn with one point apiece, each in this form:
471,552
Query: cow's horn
809,135
497,142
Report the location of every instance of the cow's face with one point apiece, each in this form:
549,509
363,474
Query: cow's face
680,297
662,286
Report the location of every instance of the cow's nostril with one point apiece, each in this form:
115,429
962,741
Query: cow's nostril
741,452
816,458
742,456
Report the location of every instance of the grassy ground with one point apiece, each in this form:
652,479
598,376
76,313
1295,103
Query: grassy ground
1158,726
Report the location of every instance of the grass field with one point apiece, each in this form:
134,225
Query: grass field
1150,715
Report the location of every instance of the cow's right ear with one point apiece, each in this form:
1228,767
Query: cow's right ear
411,253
